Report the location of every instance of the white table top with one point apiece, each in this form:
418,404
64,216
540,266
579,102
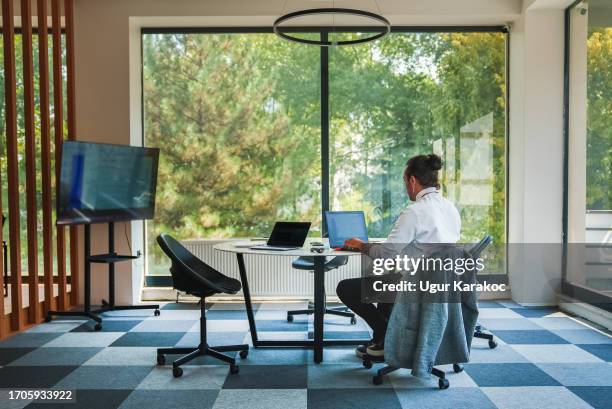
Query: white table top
230,246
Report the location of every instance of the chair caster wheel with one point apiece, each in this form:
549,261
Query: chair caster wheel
492,344
47,318
443,384
457,368
161,359
353,321
367,363
289,318
98,326
234,369
177,372
244,354
157,313
377,380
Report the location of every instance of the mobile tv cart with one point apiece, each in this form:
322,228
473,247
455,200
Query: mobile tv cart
110,258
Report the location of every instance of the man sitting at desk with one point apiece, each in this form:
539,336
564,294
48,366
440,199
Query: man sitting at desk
431,218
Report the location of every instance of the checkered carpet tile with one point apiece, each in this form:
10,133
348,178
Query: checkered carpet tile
545,359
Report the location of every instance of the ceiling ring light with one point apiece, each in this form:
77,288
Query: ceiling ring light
385,28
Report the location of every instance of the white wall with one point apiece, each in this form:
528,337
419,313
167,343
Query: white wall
536,153
108,94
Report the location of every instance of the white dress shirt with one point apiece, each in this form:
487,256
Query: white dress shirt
431,218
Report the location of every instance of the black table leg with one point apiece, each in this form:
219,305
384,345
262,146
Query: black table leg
319,307
247,299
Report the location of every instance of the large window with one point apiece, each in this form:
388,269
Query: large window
414,93
238,119
588,274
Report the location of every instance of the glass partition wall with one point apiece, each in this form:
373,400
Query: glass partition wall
588,272
254,129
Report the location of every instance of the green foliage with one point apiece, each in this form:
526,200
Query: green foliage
394,99
232,135
237,118
599,122
21,141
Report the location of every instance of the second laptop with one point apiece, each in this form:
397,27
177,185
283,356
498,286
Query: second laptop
286,236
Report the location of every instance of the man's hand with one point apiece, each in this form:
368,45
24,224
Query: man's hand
354,243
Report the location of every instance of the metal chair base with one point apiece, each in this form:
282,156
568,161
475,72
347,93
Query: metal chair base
478,333
380,374
193,353
202,349
338,311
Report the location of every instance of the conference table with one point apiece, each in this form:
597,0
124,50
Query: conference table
318,341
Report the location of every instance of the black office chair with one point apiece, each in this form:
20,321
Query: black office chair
307,263
192,276
476,251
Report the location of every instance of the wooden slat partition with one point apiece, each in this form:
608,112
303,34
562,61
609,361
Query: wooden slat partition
30,158
10,82
45,147
16,320
3,330
71,119
58,110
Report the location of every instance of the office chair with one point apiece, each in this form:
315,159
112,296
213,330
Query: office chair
475,252
307,263
192,276
443,383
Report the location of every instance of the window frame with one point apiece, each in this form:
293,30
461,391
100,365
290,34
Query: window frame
165,281
581,293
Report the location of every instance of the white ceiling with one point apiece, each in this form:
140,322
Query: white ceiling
410,7
399,12
412,12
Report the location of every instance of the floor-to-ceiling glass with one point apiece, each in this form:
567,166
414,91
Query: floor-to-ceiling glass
588,227
238,119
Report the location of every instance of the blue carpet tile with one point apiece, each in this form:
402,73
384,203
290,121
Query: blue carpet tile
8,355
599,397
535,312
544,359
529,337
602,351
110,326
504,375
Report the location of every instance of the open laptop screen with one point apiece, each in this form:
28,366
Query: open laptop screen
289,234
345,225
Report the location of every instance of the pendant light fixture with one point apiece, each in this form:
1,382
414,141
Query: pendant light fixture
377,27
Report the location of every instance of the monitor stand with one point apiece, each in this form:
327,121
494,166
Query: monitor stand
109,258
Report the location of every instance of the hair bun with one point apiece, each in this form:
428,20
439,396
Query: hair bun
434,162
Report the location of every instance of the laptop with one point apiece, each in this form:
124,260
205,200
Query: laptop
286,236
342,226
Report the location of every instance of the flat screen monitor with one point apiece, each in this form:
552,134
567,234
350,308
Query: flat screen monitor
102,183
342,226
